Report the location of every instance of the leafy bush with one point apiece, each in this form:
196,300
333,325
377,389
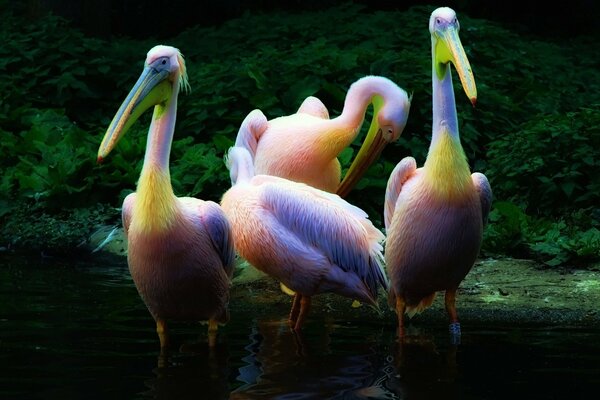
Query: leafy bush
530,134
573,238
55,162
551,163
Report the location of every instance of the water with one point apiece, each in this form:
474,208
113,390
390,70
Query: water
79,330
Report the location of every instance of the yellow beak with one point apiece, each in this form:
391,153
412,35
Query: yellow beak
377,138
450,49
368,153
151,88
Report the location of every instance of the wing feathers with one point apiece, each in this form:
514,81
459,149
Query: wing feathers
485,194
251,129
219,230
403,170
327,222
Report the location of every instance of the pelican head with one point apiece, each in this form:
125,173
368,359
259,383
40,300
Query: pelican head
391,117
447,48
390,113
164,72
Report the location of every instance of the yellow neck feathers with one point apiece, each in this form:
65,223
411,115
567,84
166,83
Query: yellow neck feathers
155,207
447,170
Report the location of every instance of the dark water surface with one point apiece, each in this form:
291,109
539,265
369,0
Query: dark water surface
79,330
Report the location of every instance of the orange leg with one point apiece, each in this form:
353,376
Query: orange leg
163,333
213,326
295,310
400,309
450,301
304,308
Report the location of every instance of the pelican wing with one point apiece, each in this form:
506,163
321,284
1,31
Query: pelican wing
315,107
341,231
216,224
401,173
251,129
485,194
126,211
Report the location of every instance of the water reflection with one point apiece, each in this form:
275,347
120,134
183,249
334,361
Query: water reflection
202,374
425,367
80,330
322,362
341,362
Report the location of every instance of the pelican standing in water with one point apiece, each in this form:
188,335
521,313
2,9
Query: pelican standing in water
434,215
180,249
310,240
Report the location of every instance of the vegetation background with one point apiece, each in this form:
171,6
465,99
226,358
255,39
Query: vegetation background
65,67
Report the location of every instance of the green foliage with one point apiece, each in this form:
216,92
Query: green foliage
574,238
505,230
561,243
40,170
46,64
52,162
533,132
558,168
200,170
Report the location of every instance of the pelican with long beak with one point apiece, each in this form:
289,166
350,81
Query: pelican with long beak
180,249
435,215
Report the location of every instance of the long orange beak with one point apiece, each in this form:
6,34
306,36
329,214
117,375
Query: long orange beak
151,88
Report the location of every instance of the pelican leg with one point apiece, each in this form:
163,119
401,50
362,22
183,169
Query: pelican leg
213,326
294,311
400,310
163,333
299,341
304,308
450,302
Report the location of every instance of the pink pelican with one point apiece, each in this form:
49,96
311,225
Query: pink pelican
304,146
180,249
310,240
434,215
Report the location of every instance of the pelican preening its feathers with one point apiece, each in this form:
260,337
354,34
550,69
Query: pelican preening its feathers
434,215
304,146
180,249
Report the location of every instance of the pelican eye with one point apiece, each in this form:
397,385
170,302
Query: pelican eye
438,21
161,64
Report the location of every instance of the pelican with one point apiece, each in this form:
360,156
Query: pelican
304,146
310,240
180,249
434,215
